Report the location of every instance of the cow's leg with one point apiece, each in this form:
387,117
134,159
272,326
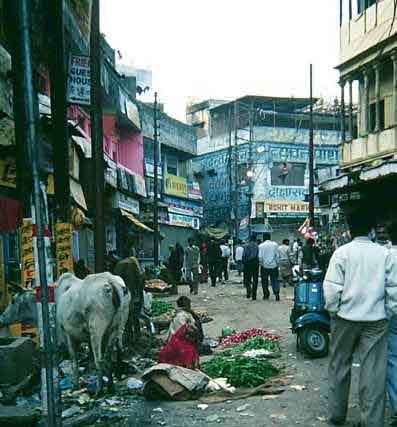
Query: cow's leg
96,339
73,347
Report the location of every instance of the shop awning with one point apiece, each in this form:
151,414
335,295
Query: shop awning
84,144
77,193
135,221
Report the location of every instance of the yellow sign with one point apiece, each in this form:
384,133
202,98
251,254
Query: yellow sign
27,253
63,246
175,185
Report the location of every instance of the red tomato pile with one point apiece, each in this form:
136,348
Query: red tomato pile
243,336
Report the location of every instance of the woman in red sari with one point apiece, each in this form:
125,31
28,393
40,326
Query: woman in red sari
181,348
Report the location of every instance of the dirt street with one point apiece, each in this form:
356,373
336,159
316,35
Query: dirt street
229,307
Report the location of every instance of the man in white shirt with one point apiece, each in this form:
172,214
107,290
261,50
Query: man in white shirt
392,340
225,260
238,257
360,290
269,261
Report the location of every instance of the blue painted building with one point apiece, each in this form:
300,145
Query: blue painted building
269,137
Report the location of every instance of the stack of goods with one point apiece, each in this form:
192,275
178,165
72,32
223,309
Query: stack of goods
162,313
243,358
203,315
156,286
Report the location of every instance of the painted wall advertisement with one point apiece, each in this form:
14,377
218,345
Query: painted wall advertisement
175,185
63,247
79,80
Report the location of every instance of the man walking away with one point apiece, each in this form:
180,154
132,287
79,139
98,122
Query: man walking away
309,255
225,260
286,262
192,262
238,257
392,340
214,259
269,262
251,267
360,291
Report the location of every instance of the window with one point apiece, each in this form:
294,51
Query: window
364,4
183,168
172,165
290,174
372,116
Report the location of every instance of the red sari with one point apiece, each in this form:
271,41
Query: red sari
180,350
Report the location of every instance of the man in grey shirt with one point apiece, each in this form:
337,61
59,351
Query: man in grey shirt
360,290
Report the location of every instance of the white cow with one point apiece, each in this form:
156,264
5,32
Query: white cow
93,310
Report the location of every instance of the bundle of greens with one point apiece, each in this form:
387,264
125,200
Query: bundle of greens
256,343
240,371
160,307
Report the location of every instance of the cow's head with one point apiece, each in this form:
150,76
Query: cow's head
21,309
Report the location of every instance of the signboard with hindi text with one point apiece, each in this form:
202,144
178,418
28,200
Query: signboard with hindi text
27,254
63,247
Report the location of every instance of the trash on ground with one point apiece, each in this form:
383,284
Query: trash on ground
134,384
297,387
202,406
243,408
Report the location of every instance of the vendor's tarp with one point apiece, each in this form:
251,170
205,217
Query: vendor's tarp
215,233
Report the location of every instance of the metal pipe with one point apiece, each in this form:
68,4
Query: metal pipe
29,119
97,139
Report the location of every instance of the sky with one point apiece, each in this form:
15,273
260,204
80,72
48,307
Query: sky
224,49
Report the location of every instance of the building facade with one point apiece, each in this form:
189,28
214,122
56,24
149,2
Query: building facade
261,143
368,67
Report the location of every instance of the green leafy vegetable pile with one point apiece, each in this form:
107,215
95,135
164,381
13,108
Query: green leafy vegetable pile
240,371
160,307
255,343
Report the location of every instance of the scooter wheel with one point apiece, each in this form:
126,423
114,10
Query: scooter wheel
314,341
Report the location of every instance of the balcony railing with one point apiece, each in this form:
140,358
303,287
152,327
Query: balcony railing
374,25
368,148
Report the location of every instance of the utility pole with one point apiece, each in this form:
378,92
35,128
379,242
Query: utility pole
229,169
311,154
28,118
156,237
236,173
60,132
250,165
97,139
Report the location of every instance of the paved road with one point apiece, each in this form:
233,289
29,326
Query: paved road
229,307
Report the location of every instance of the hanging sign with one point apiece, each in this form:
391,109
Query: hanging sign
27,254
63,247
79,80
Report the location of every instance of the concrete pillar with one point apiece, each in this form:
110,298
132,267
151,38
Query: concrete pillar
350,112
376,68
394,106
342,109
366,101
